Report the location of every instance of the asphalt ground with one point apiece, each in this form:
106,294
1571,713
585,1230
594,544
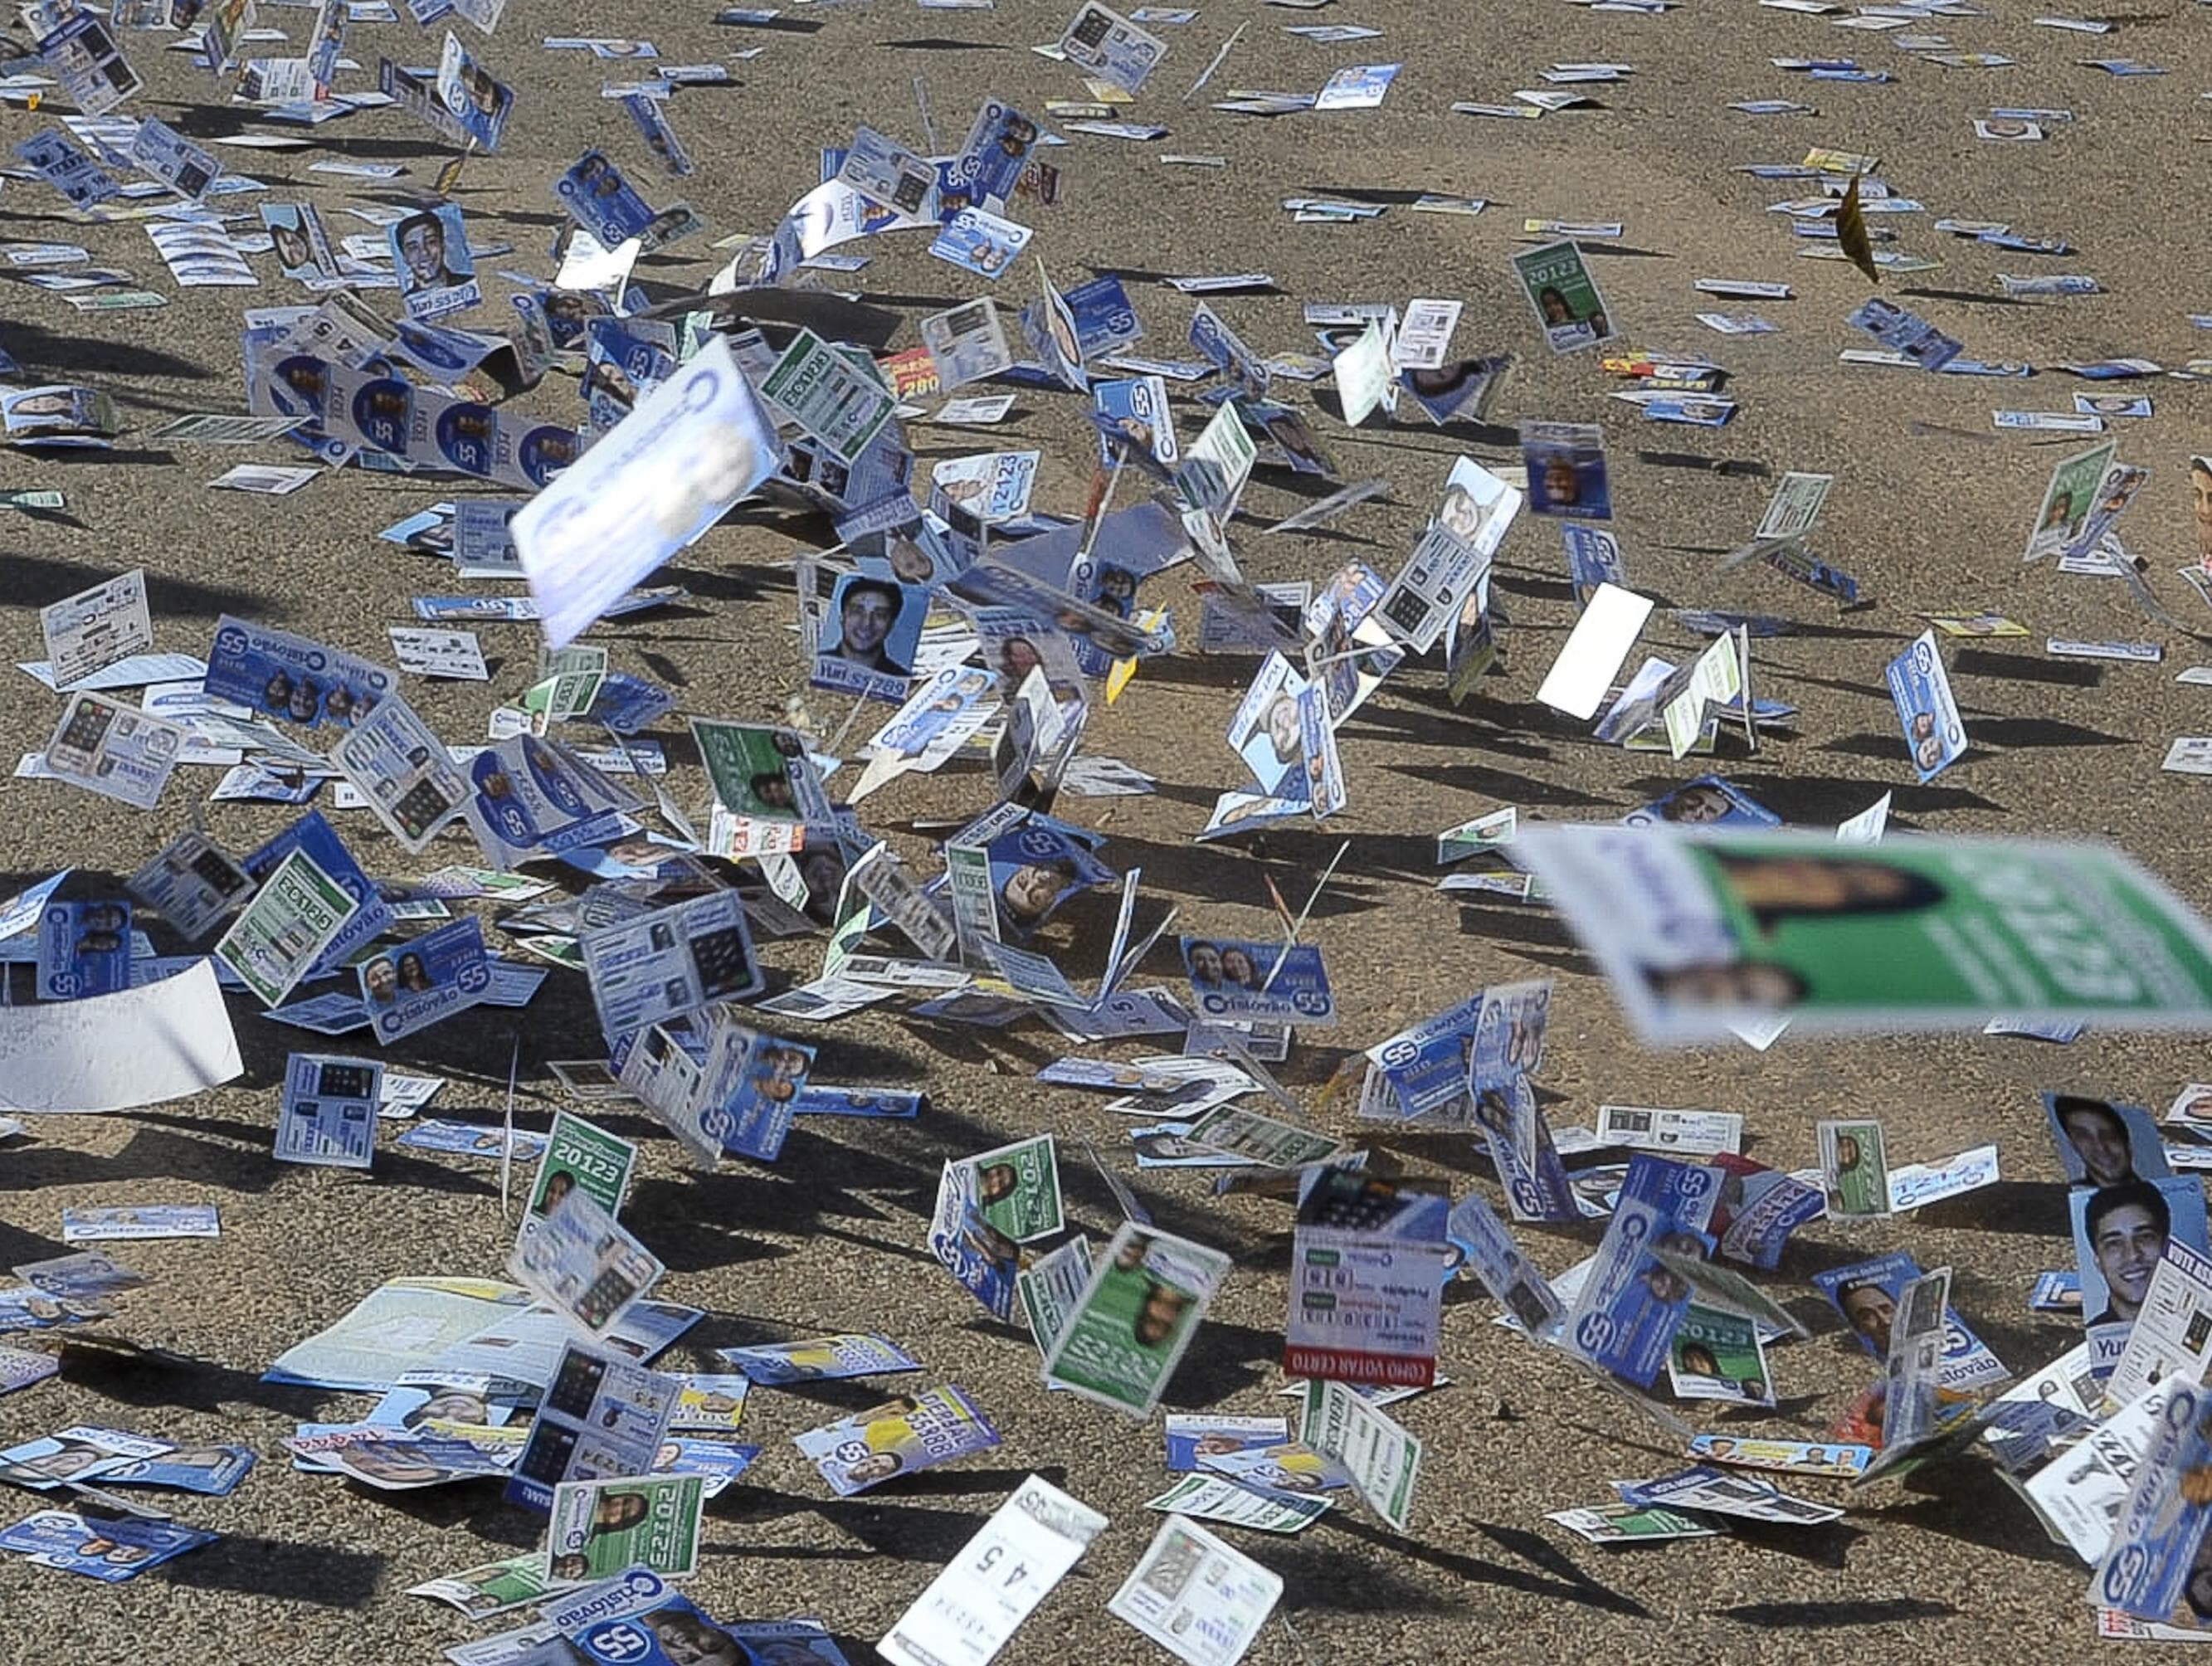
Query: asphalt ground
1930,511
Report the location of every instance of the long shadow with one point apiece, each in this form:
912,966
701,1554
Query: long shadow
153,1153
35,345
1505,785
1965,297
2043,731
1832,1616
120,1370
1551,1572
329,1576
2035,1209
1968,1515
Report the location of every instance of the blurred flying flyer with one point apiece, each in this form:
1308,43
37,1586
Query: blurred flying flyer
115,751
1198,1598
1135,1318
974,1605
669,471
1369,1262
1566,463
599,1528
1698,933
2069,500
583,1265
95,629
905,1434
1934,734
1565,297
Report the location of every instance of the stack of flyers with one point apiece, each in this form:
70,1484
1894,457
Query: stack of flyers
903,1435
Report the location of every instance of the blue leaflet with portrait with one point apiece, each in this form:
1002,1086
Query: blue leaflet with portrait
641,1635
290,676
1105,321
371,916
2148,1569
660,137
1135,408
109,1550
84,949
430,254
215,1471
990,163
1519,1143
977,1254
1593,559
478,105
1624,1320
1865,1293
753,1081
830,1099
600,200
625,360
1566,470
1039,865
432,977
1706,801
976,240
1425,1066
870,638
1934,732
531,796
1240,981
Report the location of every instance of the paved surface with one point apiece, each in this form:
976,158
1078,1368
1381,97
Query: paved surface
1930,511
